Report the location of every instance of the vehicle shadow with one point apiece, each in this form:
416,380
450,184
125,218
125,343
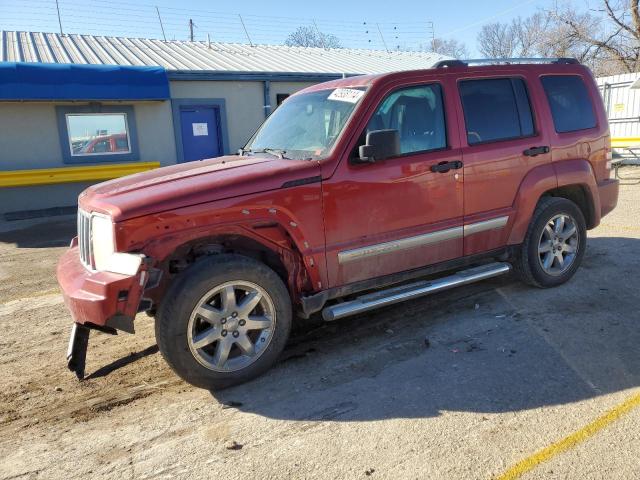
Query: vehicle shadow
497,346
52,232
122,362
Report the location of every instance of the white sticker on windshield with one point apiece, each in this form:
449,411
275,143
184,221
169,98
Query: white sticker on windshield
346,95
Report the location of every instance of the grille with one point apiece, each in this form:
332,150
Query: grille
84,238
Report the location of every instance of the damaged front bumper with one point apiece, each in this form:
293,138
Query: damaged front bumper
104,301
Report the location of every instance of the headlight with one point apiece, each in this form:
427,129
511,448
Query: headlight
102,243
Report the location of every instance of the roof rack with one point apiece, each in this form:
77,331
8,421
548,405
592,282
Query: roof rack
504,61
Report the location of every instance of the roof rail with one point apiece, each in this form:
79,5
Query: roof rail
505,61
450,63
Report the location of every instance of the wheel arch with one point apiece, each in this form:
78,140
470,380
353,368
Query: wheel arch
271,245
570,179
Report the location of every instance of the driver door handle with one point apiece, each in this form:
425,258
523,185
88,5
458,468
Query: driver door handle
444,167
533,151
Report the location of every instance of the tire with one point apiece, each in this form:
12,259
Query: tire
532,264
195,325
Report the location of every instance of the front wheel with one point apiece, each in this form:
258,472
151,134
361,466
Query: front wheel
554,245
224,321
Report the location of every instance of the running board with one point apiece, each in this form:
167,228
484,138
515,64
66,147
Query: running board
410,291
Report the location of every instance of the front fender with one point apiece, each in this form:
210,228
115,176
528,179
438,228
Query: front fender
287,221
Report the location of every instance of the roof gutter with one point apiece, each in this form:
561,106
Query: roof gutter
191,75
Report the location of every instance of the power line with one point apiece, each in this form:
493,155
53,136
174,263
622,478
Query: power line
126,20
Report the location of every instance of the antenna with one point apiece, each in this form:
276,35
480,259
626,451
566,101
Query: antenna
59,20
191,25
161,26
382,38
245,30
208,41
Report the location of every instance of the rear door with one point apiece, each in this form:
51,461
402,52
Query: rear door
502,141
200,128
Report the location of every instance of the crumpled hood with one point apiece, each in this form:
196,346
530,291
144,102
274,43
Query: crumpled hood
192,183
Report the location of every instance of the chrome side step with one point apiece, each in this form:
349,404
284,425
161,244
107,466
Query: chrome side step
410,291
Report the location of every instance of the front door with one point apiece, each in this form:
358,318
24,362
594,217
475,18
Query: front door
397,214
200,127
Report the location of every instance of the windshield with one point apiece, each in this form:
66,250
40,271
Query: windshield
306,126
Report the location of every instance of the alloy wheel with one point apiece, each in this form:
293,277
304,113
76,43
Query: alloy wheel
558,244
231,326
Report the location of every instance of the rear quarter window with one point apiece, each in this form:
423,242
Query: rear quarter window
570,103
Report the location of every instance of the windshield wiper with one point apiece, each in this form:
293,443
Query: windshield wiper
272,151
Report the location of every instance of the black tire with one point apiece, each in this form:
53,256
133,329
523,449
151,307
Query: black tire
184,295
528,265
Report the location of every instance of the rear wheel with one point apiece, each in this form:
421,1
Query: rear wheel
554,245
224,321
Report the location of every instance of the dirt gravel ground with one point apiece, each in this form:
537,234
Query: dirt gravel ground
508,370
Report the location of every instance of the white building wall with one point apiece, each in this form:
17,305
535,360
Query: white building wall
622,104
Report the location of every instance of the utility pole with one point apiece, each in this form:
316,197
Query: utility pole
431,31
59,19
320,35
382,38
161,26
191,25
245,30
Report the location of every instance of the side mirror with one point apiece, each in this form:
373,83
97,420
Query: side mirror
380,144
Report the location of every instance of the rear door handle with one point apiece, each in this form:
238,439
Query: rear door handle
444,167
533,151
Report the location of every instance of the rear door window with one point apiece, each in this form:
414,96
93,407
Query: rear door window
496,109
570,103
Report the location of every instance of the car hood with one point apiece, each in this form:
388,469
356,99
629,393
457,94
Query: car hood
192,183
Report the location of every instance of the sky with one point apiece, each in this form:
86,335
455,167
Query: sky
377,24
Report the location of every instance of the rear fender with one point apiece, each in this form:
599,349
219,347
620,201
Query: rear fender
579,172
533,186
546,178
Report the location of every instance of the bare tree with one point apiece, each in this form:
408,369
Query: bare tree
451,48
608,41
613,42
497,40
530,34
522,37
308,36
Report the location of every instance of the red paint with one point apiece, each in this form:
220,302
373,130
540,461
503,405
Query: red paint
163,213
111,140
93,297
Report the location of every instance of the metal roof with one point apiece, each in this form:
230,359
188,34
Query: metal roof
178,55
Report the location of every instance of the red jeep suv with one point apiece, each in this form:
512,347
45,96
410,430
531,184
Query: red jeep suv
354,194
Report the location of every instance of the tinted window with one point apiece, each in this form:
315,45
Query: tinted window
570,103
417,113
496,109
122,144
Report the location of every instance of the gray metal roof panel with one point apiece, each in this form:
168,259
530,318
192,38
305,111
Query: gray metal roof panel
203,56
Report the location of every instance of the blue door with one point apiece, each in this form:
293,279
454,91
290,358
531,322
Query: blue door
200,127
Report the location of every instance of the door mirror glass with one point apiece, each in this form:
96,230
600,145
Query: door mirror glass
380,144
